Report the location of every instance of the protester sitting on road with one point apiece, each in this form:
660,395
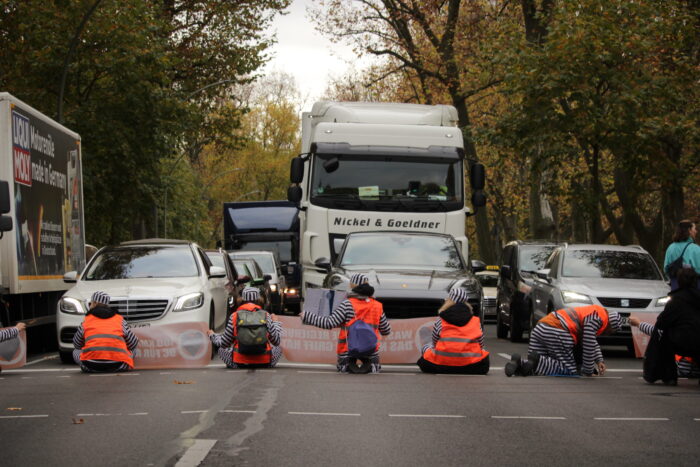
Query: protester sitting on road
683,247
12,332
676,333
564,343
457,341
104,341
362,306
251,338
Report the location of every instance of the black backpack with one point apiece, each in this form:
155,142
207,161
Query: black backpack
676,265
252,332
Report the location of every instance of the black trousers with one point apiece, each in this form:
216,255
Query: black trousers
478,368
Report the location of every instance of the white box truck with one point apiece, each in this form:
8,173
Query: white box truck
42,200
378,166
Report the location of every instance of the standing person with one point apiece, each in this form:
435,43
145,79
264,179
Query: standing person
564,343
249,319
104,341
458,340
676,333
360,305
683,247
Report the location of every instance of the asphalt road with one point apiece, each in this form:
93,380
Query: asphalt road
299,414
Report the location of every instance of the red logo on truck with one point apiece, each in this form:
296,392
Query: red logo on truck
21,155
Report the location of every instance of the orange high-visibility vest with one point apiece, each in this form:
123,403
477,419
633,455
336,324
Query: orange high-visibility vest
574,319
457,345
259,359
368,310
104,340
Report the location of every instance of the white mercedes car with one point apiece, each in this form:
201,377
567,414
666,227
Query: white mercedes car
155,281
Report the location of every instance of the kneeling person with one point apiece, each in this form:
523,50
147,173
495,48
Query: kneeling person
457,341
251,338
104,341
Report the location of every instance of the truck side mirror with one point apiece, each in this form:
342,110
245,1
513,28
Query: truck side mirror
477,176
296,173
4,197
478,199
294,193
5,223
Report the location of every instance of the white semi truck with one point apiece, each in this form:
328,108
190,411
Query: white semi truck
378,166
41,199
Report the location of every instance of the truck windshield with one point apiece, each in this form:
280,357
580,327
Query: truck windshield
142,262
397,182
398,251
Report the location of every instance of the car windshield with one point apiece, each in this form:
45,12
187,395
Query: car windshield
533,257
247,265
396,250
388,178
216,259
136,262
488,280
266,263
609,264
282,247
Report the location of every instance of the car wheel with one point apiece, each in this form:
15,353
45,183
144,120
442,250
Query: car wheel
516,327
66,357
501,328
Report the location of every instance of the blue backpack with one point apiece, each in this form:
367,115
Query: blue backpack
362,340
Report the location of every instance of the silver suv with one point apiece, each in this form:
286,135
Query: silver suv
625,279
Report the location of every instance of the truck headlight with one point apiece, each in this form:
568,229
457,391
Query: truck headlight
71,306
189,301
568,296
662,301
290,291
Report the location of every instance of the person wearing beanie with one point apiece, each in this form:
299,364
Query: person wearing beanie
236,355
359,304
564,343
457,345
104,341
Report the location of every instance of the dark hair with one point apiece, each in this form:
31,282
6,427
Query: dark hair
683,230
687,278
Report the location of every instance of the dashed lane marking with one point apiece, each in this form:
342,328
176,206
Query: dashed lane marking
409,415
139,413
504,355
332,414
633,419
193,411
24,416
237,411
50,357
509,417
196,453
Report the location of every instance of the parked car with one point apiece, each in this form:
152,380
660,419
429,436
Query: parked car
156,281
411,273
249,267
519,261
625,279
489,284
270,265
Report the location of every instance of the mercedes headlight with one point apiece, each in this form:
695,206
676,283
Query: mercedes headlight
569,297
189,302
71,306
662,301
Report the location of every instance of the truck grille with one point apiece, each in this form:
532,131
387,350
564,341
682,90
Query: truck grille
615,302
489,302
139,310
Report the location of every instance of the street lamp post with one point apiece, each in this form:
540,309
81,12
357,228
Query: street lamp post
246,194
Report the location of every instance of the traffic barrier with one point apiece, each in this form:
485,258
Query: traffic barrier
13,352
177,345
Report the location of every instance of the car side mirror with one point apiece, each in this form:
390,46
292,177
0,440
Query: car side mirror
323,263
70,277
216,272
543,274
267,277
242,279
478,265
506,272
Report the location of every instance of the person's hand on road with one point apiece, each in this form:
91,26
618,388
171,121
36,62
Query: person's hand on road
601,368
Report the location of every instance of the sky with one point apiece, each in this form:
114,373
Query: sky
305,53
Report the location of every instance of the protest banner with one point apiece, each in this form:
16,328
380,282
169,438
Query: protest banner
640,339
176,345
13,352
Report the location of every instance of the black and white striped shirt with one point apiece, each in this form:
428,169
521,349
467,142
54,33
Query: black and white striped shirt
591,349
274,333
8,333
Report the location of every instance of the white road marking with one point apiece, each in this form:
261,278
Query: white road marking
24,416
317,372
166,373
27,377
50,357
95,414
508,417
64,376
633,419
237,411
139,413
326,413
697,419
193,411
424,415
196,453
504,355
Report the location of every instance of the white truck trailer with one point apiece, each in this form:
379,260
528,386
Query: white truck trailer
378,166
42,200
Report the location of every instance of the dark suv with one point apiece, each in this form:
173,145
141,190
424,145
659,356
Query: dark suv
519,261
